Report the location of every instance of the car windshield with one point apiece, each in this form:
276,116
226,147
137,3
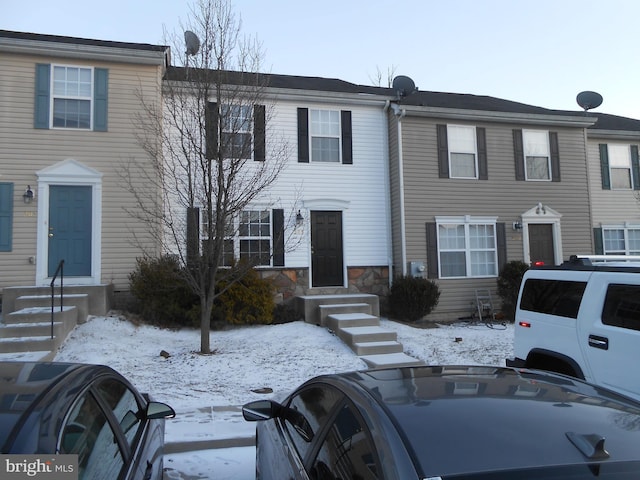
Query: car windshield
600,471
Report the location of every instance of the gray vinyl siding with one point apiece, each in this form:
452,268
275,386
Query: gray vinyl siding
25,150
427,196
395,193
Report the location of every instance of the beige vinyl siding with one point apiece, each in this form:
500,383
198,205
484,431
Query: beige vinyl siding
610,207
395,194
501,196
25,150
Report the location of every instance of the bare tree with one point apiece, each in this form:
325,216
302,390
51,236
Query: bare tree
210,153
377,78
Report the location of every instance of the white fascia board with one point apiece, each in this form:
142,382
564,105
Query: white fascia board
506,117
84,52
614,134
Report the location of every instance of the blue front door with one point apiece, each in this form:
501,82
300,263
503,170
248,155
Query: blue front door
70,230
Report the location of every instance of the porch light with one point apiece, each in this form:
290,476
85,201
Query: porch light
517,225
27,196
299,219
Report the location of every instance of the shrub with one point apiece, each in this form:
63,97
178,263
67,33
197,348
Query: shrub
411,298
285,313
247,301
509,282
163,296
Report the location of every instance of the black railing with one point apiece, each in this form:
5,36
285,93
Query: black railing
59,270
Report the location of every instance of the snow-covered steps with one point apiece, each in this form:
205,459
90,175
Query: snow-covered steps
391,360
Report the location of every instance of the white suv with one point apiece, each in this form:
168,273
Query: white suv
581,319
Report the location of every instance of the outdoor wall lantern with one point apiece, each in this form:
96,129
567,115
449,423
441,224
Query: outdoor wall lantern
27,196
299,219
517,226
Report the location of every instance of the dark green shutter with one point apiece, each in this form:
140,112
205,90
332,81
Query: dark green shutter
303,135
501,239
443,151
278,238
597,241
259,133
6,216
635,167
211,130
604,166
518,153
432,250
347,148
481,140
100,99
41,102
555,156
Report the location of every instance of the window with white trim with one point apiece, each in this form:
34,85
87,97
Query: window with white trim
620,167
621,240
537,159
325,135
467,247
254,235
72,97
463,158
237,121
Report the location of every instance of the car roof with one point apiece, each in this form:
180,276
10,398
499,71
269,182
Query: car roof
24,386
462,419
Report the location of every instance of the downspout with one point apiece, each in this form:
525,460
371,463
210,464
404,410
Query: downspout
387,182
589,197
400,114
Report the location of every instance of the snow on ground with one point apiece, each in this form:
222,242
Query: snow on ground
207,390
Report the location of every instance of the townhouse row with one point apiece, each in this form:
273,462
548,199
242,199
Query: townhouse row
375,185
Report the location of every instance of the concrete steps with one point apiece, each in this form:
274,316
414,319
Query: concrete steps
355,320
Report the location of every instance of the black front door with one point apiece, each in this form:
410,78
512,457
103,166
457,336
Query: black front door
326,249
541,243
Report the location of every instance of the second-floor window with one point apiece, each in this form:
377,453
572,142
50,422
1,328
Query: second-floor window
536,155
236,131
324,136
620,167
72,97
462,151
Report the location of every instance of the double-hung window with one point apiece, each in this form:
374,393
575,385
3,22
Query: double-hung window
72,97
325,135
621,240
462,151
467,247
236,131
254,234
536,155
620,167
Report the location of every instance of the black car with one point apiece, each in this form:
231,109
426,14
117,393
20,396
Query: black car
87,410
453,422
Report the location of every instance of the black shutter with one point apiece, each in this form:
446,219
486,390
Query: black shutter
193,235
555,156
501,239
597,241
432,251
259,140
278,238
481,140
635,167
347,149
518,152
604,166
443,152
211,130
303,135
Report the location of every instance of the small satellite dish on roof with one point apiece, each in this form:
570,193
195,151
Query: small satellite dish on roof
588,100
403,86
192,42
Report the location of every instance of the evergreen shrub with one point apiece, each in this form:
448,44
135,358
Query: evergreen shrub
412,298
509,282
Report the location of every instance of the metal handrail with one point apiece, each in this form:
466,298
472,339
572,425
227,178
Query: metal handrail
59,270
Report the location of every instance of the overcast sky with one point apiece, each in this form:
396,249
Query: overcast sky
540,52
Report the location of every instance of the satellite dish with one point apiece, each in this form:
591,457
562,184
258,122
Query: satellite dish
588,100
403,86
192,42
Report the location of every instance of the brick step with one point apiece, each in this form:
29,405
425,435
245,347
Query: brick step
376,348
340,321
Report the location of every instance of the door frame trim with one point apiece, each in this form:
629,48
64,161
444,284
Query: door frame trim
542,214
69,173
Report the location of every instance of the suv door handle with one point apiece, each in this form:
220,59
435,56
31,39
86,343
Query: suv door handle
597,341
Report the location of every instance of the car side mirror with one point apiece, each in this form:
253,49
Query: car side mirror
159,410
261,410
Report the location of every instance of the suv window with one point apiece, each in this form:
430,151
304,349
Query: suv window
553,297
622,306
124,406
